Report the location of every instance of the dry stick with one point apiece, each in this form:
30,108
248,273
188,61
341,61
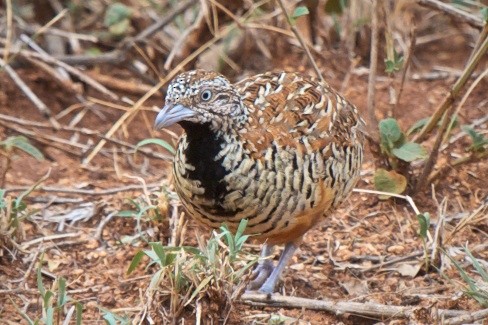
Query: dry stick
62,190
9,33
442,133
301,40
85,131
373,122
29,93
74,71
368,309
467,319
453,11
413,41
456,88
118,55
137,106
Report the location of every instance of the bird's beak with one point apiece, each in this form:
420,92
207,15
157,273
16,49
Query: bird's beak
171,114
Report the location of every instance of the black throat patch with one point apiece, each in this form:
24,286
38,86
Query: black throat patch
203,147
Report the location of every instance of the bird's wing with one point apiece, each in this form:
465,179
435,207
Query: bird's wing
295,111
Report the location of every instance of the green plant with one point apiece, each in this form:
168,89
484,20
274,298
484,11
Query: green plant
156,141
424,224
479,141
54,302
117,19
399,152
13,211
214,274
8,147
476,289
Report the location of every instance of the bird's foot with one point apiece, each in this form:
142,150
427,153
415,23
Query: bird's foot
260,275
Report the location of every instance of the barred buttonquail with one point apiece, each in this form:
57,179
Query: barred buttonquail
279,149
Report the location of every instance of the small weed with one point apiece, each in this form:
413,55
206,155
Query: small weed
399,153
424,224
13,211
479,141
57,306
8,148
214,274
476,289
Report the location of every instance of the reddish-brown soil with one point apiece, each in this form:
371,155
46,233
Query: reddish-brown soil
337,258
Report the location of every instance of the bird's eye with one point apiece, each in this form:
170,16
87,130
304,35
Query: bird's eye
206,95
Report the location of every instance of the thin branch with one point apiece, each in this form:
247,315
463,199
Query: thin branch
301,40
470,318
367,309
411,48
138,105
110,191
373,122
453,12
443,129
455,90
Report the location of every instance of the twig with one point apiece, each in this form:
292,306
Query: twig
148,32
146,151
455,90
74,71
453,12
373,122
443,129
9,32
138,105
29,93
99,232
411,48
109,191
118,55
301,40
26,245
367,309
467,319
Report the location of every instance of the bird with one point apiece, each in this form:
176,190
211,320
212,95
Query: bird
280,149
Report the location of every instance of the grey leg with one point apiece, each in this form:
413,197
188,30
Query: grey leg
269,285
263,270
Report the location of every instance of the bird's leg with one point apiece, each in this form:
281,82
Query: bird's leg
269,285
264,268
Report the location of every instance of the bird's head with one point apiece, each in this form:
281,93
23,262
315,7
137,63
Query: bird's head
202,97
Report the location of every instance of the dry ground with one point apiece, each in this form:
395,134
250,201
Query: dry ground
341,259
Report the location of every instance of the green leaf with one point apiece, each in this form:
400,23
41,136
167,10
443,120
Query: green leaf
394,64
390,133
116,13
158,142
119,28
389,181
135,261
477,265
126,213
479,140
62,295
300,11
22,143
424,222
159,250
335,7
199,288
79,313
40,285
49,315
409,151
484,14
418,125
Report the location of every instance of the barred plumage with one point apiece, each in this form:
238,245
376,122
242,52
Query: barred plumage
279,149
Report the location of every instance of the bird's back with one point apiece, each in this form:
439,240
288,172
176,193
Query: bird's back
297,156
